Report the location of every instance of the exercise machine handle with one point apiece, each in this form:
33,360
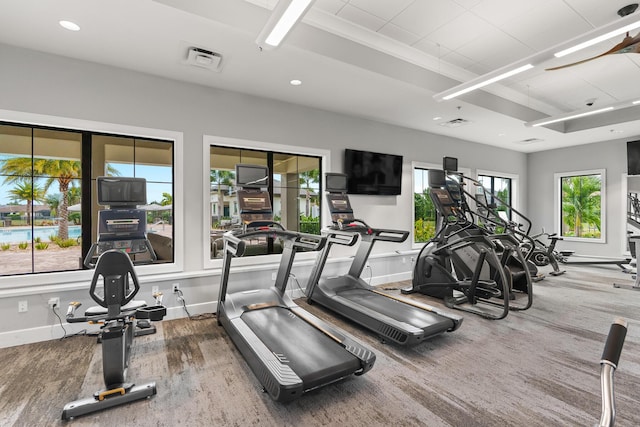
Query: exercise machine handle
71,310
609,363
614,343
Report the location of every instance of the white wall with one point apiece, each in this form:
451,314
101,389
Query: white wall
41,83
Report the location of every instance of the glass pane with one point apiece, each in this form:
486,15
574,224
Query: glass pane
111,156
56,241
56,155
581,206
423,209
223,204
15,152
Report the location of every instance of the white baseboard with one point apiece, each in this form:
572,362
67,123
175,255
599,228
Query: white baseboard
55,331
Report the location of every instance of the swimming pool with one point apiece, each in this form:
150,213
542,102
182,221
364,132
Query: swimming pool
23,234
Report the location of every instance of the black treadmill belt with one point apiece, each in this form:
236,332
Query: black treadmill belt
400,311
313,356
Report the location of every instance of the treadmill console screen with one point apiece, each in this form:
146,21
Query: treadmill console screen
340,207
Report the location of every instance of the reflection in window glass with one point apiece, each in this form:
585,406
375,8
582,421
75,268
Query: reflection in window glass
41,189
499,189
294,190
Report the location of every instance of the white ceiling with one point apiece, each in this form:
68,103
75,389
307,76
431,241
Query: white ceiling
379,59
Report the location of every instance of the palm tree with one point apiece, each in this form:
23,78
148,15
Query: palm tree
307,178
167,199
219,178
581,202
53,170
53,201
25,190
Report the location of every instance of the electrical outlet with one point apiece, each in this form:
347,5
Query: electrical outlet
155,290
22,306
404,260
175,287
273,275
54,302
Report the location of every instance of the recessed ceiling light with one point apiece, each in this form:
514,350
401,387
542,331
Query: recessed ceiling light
296,82
437,118
71,26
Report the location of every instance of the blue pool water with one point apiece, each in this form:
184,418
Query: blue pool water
17,235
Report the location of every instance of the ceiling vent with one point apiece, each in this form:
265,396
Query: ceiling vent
455,123
204,58
529,141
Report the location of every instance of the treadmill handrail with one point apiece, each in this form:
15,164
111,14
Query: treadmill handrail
384,234
300,240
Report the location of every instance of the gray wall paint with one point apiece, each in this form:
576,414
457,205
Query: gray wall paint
36,82
611,156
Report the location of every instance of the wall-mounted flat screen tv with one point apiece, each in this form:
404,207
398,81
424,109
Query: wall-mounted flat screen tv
373,173
633,158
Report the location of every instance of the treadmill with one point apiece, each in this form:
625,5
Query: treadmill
289,350
393,318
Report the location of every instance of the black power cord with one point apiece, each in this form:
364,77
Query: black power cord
203,316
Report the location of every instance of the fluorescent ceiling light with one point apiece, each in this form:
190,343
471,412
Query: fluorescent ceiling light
284,16
598,39
569,116
71,26
484,81
582,113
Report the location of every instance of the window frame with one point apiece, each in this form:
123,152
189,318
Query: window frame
557,208
245,144
68,280
515,182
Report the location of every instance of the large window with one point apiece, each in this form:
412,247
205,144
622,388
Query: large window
48,209
294,189
499,189
581,197
424,213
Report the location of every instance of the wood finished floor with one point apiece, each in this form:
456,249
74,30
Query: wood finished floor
535,368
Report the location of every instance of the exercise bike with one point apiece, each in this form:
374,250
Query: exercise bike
121,236
117,312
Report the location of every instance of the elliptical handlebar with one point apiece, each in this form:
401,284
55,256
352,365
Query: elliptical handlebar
609,363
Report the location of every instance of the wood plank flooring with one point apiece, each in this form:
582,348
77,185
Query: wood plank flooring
535,368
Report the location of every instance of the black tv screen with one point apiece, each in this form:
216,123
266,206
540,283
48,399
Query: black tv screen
120,191
252,176
373,173
335,182
633,158
450,164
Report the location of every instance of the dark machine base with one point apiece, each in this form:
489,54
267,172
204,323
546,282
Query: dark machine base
93,404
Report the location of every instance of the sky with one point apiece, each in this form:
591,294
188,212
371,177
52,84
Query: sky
158,181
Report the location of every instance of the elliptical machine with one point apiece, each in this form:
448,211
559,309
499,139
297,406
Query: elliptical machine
113,286
465,258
